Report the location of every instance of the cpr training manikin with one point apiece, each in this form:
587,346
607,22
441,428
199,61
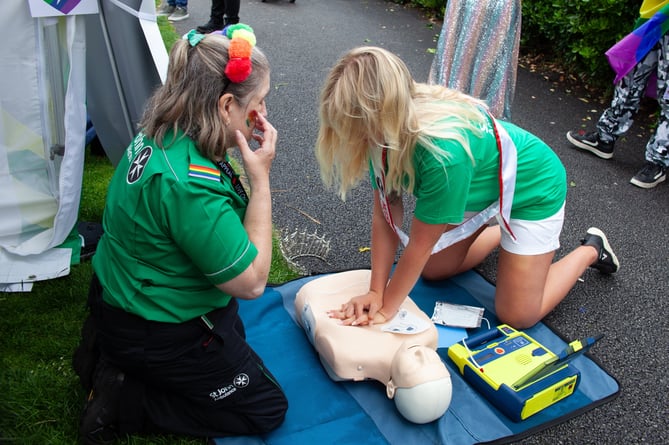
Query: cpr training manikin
401,354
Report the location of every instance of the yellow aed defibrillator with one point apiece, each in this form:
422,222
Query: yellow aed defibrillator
518,375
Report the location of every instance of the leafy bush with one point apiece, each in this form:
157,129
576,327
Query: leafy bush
577,33
572,34
431,4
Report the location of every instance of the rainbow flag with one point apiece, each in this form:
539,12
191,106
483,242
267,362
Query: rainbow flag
204,172
629,51
64,6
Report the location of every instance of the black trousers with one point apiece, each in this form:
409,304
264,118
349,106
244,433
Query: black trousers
227,8
186,378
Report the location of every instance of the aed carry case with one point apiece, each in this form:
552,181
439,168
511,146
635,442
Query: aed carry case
518,375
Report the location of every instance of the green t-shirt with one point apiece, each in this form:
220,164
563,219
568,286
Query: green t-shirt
173,229
448,187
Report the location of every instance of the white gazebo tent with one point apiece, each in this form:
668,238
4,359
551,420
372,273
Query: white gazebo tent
46,92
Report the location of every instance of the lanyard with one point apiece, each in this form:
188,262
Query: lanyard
234,179
508,162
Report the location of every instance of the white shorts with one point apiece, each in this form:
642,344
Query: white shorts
534,237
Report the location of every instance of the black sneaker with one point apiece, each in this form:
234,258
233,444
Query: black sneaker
591,142
99,420
210,26
650,175
607,262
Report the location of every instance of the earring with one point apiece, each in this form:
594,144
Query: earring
227,122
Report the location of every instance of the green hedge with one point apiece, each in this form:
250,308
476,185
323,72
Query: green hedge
437,5
575,34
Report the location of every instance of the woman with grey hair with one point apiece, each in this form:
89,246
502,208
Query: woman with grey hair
183,240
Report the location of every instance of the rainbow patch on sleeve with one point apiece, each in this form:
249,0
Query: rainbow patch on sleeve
201,171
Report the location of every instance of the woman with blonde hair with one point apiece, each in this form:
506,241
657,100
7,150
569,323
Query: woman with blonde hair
464,169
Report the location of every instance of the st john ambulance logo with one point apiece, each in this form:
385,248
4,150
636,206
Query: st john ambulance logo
241,380
137,166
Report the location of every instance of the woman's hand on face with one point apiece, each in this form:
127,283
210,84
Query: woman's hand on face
362,310
257,162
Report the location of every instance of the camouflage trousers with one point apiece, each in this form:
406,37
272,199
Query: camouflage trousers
619,117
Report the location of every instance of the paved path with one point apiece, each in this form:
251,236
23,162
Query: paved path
304,39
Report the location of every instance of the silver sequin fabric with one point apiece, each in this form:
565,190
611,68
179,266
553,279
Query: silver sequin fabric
477,51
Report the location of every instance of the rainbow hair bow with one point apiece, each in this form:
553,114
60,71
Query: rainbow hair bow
242,41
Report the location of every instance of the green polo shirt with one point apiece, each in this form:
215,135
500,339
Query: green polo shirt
173,230
448,187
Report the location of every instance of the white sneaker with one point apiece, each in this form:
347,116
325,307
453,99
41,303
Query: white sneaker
179,13
164,10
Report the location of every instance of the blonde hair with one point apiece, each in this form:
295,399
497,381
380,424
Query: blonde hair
189,98
369,101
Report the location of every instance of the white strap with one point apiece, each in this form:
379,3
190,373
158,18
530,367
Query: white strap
139,14
508,158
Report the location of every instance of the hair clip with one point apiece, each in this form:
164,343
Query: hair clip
193,37
242,41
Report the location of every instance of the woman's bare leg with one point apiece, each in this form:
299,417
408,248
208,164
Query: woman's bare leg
530,286
463,255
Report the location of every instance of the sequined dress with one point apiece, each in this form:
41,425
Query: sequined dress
477,51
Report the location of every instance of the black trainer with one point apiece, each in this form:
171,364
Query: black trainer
99,420
211,26
650,175
591,142
607,262
215,24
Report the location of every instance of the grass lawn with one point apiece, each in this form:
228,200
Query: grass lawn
40,395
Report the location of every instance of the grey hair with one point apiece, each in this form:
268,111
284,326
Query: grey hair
189,98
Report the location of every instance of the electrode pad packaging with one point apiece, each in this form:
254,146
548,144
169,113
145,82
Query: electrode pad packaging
457,315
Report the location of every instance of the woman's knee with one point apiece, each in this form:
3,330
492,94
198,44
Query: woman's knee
439,270
273,414
516,319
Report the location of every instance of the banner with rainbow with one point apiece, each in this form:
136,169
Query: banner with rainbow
50,8
629,51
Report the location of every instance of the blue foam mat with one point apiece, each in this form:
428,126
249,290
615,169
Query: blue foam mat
323,411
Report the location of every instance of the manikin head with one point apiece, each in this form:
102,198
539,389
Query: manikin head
419,383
